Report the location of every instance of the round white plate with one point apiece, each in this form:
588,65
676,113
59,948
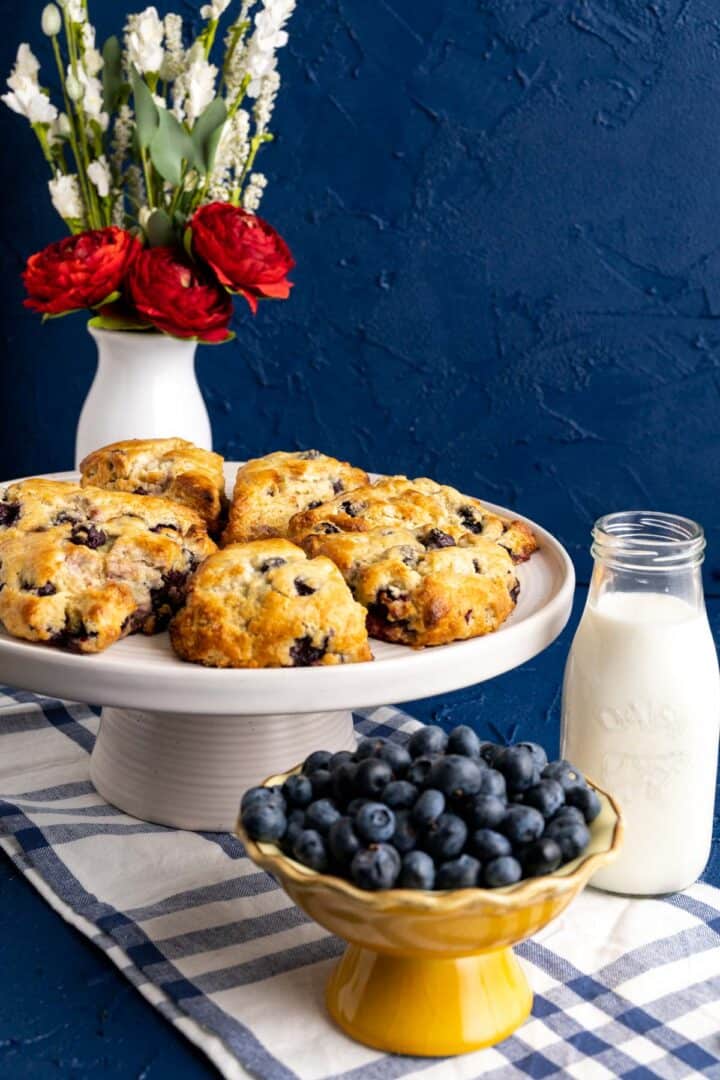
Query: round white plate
144,673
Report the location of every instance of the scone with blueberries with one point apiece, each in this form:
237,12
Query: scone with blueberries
423,586
81,568
397,502
266,604
172,468
271,489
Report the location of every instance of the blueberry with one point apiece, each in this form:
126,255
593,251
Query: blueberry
321,780
375,822
321,814
9,513
502,871
343,840
354,805
436,538
456,776
261,795
338,759
460,873
376,868
547,797
491,752
371,777
264,821
569,813
565,773
418,871
309,849
297,790
396,756
304,654
295,825
446,837
399,794
485,811
542,856
429,806
463,740
405,836
319,759
585,800
343,781
538,754
368,748
419,771
517,766
492,782
572,836
88,536
427,741
486,844
522,824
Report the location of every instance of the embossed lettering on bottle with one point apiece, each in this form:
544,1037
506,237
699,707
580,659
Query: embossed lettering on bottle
641,698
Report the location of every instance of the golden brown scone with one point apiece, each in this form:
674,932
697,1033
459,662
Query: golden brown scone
396,502
82,567
173,468
265,604
423,587
270,489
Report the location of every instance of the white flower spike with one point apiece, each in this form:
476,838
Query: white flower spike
144,35
26,97
215,9
99,173
65,197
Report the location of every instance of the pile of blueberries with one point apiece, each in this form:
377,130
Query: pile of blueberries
437,812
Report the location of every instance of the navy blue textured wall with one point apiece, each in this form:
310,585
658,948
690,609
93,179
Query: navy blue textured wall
506,221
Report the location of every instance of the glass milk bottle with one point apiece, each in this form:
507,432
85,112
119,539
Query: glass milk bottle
641,698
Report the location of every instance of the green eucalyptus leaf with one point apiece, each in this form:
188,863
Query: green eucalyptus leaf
146,111
112,74
159,229
170,146
206,134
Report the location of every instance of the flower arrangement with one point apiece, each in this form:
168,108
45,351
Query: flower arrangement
152,161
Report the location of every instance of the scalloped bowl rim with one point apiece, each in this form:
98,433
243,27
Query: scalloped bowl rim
521,894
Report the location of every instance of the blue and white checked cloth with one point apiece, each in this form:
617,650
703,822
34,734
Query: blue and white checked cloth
622,988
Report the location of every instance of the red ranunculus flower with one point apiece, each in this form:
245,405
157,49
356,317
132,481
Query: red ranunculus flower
80,271
178,297
246,253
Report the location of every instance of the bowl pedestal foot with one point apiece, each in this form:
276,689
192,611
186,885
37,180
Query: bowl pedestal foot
428,1007
190,771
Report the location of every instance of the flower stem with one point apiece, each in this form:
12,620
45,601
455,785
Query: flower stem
79,165
255,144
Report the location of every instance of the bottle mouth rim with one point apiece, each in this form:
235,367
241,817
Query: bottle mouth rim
648,540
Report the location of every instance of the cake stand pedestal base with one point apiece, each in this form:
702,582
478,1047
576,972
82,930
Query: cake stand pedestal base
190,770
428,1007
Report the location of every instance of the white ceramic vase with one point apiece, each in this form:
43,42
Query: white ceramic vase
145,387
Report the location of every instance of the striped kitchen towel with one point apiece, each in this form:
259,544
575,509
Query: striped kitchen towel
623,988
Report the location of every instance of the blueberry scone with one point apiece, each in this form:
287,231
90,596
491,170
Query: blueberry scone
173,468
81,567
396,502
423,586
265,604
269,490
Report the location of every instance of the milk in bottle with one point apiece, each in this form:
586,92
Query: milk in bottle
641,698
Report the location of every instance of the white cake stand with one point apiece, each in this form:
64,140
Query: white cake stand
178,743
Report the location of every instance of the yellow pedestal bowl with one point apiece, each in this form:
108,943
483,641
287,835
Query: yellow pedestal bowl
433,973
